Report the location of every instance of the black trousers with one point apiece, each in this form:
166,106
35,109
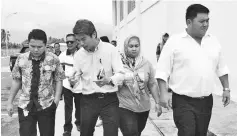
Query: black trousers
132,123
68,100
45,119
192,115
98,104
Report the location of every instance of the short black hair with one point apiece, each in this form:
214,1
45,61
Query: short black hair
104,39
194,9
37,34
70,35
56,43
84,26
166,35
114,41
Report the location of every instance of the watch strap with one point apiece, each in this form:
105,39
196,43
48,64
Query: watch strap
226,89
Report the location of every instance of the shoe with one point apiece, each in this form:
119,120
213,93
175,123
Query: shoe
67,133
78,128
99,123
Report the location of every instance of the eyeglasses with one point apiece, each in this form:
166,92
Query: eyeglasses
70,42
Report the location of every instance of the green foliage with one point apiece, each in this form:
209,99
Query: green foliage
54,40
10,45
25,42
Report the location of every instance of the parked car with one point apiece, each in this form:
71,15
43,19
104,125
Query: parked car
13,58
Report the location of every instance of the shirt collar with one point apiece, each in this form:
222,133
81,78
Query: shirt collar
96,48
59,52
69,53
41,57
185,34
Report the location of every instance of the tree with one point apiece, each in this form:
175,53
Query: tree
3,35
62,40
54,40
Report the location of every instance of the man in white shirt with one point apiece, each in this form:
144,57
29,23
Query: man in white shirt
67,59
100,69
189,63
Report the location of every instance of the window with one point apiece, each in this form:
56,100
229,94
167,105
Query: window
131,5
121,10
115,12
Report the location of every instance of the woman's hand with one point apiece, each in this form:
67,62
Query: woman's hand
158,109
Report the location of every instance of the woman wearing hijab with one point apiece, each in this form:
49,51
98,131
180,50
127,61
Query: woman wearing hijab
134,94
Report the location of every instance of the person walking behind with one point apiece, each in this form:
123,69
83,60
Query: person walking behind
101,71
192,60
104,39
57,50
160,46
114,43
66,59
134,95
34,73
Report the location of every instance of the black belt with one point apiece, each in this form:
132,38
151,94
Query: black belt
100,95
188,97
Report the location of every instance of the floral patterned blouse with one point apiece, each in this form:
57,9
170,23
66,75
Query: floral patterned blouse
50,71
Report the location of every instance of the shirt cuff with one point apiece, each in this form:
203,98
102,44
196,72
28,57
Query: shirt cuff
161,75
117,79
222,71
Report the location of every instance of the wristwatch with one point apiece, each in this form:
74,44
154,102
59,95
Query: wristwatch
226,89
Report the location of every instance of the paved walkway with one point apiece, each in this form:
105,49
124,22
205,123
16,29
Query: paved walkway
150,129
223,121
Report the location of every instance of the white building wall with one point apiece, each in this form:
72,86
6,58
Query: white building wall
155,17
153,26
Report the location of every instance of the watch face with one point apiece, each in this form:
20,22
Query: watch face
226,89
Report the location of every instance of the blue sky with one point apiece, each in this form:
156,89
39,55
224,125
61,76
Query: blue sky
56,17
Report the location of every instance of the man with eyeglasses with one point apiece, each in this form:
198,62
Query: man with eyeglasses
66,59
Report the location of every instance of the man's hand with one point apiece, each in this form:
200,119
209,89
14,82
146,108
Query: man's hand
10,109
226,98
103,81
165,100
56,102
72,80
158,109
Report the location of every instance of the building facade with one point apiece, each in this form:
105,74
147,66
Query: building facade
149,19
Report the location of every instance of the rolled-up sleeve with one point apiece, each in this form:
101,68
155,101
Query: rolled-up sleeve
76,66
16,72
165,62
59,72
117,67
221,68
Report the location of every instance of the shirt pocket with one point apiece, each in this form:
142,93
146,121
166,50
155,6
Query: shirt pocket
105,62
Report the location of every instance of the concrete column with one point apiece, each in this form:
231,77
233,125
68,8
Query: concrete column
139,18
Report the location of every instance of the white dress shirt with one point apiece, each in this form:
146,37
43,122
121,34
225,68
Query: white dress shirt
88,64
67,59
190,67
